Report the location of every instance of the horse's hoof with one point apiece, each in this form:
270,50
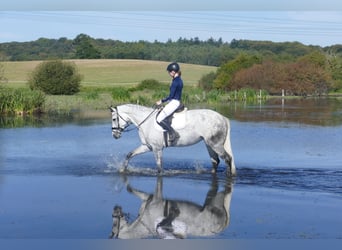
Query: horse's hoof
229,174
123,170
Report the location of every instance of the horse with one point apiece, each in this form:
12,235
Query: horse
175,219
192,126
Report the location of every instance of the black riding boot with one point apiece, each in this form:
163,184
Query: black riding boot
173,135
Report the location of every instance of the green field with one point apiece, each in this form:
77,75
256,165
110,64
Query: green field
103,81
109,73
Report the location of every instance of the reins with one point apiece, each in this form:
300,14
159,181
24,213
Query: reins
150,114
142,122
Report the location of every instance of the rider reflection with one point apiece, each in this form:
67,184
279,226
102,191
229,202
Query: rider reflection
170,219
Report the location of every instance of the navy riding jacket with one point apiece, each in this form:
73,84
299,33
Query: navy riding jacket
175,90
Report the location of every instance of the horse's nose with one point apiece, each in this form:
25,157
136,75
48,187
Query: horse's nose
117,211
116,134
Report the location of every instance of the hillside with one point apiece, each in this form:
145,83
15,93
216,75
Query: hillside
111,72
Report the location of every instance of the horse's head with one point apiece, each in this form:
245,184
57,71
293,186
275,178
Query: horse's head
119,123
119,222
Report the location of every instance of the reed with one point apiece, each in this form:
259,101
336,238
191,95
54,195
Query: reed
248,95
21,101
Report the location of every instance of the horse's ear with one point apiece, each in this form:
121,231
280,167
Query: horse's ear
111,109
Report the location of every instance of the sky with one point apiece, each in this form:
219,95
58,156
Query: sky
316,25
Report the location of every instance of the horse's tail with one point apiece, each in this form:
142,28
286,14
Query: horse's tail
228,148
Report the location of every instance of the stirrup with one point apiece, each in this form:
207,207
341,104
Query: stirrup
173,136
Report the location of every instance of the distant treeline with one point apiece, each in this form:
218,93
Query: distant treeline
275,67
210,52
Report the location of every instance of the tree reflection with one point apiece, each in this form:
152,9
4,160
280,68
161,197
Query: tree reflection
311,111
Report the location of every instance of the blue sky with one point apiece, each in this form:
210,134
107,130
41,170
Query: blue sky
278,23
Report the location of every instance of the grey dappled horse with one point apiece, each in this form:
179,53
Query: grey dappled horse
169,219
191,125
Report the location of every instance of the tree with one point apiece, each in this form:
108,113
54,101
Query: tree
316,58
306,76
335,67
84,48
226,72
56,78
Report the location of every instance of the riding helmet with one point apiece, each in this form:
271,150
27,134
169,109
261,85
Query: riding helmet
173,67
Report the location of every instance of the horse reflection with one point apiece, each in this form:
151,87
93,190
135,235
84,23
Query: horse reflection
169,219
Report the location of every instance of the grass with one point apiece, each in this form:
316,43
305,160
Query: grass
111,82
106,82
108,73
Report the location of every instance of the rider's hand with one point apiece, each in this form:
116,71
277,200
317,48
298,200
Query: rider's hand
157,105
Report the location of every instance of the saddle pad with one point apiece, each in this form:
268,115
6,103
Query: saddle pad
179,120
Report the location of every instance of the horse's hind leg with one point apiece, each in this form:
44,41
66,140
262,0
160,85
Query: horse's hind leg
215,160
217,150
228,159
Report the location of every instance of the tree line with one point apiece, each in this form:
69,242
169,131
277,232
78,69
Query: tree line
210,52
272,66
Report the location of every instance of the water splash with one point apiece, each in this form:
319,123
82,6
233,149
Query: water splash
115,166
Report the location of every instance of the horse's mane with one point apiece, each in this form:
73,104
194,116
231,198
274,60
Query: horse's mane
133,108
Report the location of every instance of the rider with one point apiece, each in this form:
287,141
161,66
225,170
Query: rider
174,100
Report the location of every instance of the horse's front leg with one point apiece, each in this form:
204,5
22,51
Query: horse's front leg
139,150
158,156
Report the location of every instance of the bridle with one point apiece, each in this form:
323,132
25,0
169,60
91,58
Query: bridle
117,215
118,116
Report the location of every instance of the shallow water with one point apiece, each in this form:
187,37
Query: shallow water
62,180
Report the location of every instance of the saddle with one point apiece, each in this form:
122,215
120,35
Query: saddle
171,123
179,110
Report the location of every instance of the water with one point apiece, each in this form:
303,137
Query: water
61,179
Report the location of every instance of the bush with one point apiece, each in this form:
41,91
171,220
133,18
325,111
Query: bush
56,78
120,94
207,81
149,84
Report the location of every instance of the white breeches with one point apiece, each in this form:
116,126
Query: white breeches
168,110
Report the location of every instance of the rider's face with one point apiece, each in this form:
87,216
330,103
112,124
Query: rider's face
172,73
